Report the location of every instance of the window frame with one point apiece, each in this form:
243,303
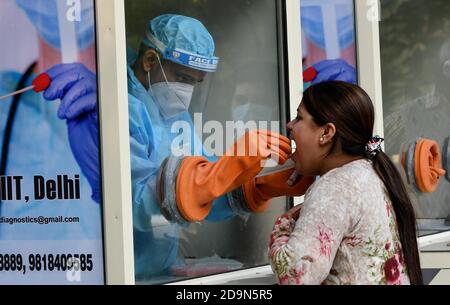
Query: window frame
115,147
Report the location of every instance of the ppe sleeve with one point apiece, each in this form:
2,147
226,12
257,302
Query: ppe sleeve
303,252
143,170
221,210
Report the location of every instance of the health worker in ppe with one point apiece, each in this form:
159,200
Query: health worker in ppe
170,190
34,141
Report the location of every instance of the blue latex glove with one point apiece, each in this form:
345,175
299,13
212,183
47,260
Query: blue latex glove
76,87
337,69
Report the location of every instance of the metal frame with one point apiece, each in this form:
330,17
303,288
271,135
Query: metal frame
283,74
294,49
369,58
433,239
117,210
242,277
282,60
295,64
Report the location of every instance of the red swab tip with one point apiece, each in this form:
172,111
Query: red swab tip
42,82
309,74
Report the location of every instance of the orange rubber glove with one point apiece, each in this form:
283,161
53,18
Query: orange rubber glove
428,165
259,191
199,182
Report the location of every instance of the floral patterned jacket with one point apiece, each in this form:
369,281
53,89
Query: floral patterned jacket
346,233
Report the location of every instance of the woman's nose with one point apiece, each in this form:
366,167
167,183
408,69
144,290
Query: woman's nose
289,130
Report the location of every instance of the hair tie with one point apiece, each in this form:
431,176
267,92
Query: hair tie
373,148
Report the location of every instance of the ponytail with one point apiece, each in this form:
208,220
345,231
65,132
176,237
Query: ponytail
404,211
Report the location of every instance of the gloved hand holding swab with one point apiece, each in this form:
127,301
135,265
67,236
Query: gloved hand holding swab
39,84
330,70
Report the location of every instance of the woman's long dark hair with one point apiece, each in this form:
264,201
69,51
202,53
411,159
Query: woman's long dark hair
351,110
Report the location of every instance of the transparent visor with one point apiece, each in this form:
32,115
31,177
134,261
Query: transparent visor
179,90
184,58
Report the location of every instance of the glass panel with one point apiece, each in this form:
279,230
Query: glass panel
50,216
328,33
245,87
415,55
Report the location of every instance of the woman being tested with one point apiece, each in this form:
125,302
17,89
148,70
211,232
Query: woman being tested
357,224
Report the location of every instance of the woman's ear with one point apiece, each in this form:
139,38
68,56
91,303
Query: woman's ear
328,133
149,60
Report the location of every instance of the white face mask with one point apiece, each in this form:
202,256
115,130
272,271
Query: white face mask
173,98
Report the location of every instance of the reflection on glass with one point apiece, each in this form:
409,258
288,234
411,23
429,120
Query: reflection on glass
249,99
415,52
245,87
328,33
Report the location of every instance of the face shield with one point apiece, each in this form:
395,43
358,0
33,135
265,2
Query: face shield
184,58
180,90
